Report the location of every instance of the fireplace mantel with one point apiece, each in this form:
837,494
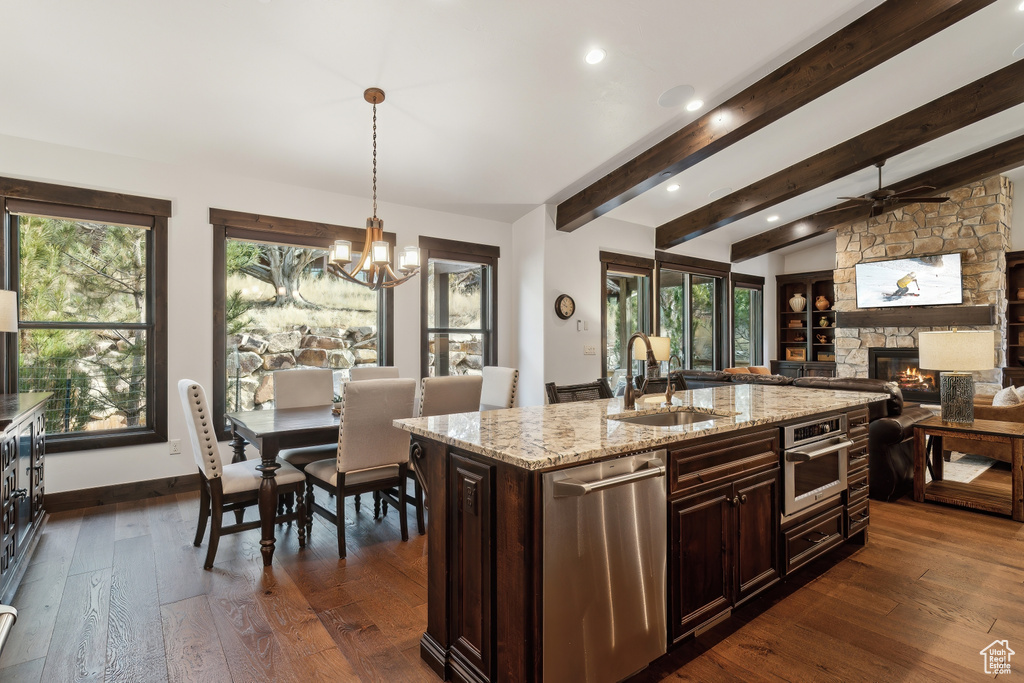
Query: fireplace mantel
944,316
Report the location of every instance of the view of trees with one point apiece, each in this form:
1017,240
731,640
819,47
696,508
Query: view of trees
73,272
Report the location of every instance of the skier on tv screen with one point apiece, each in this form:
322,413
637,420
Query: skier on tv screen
903,284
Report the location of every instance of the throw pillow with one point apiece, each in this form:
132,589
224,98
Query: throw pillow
1006,397
737,371
759,370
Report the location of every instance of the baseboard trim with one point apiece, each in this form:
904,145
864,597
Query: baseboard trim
434,655
120,493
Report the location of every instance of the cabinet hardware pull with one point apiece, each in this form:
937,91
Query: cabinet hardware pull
19,493
816,542
735,501
858,489
743,498
863,517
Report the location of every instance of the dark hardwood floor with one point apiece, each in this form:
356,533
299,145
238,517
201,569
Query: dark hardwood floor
118,593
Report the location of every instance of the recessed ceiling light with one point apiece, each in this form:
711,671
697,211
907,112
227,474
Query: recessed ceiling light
596,55
694,105
719,193
772,218
673,187
1020,7
675,97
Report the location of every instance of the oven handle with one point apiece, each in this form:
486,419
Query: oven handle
804,456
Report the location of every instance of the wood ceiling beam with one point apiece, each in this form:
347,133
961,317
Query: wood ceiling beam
879,35
973,102
972,168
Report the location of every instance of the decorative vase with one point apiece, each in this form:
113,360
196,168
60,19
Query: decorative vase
1020,294
823,322
798,302
821,303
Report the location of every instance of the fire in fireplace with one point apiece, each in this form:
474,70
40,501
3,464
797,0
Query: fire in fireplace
901,366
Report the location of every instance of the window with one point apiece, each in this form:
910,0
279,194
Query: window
626,282
92,313
747,320
276,307
690,309
459,304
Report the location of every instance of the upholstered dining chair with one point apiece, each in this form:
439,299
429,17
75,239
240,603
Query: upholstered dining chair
568,393
441,396
372,454
382,372
225,488
499,387
305,388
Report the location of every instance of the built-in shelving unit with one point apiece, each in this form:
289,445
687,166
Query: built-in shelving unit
806,338
1013,373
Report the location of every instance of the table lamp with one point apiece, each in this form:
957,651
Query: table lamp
8,323
662,349
955,355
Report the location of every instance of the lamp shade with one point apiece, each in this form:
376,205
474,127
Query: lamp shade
957,351
8,311
660,346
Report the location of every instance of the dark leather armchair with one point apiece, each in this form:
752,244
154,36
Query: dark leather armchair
890,433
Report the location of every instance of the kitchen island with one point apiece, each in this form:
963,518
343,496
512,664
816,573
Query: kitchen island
724,531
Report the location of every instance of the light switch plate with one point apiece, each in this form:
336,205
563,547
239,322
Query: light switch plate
175,445
589,350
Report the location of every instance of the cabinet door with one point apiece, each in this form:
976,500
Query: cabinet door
38,448
700,568
757,534
8,501
472,562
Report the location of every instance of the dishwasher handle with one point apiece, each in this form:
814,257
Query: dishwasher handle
804,456
574,487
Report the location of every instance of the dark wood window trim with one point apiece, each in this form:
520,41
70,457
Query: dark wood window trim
470,252
277,230
631,265
740,280
96,205
692,264
723,293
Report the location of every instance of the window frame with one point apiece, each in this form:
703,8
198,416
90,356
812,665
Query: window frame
754,282
467,252
627,264
97,206
229,224
691,265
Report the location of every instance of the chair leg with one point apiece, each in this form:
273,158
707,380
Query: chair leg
309,509
239,515
204,511
403,522
357,503
216,514
301,512
340,515
376,504
418,492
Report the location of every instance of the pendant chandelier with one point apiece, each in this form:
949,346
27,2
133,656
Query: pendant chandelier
373,270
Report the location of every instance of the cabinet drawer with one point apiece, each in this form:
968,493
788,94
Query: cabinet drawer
857,458
857,518
857,487
710,461
857,423
812,538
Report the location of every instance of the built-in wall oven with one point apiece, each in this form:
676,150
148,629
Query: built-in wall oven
814,463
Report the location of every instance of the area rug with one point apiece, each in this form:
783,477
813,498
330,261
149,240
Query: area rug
963,467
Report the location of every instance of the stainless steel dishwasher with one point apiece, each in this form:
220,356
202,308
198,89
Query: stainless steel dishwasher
604,569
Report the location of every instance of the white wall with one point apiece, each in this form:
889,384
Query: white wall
819,256
193,191
528,244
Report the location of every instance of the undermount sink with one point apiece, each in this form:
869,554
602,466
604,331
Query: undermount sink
669,419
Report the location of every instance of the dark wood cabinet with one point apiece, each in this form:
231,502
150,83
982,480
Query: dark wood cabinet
472,559
724,549
1013,370
22,450
806,338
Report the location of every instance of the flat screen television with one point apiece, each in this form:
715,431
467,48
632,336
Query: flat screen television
920,281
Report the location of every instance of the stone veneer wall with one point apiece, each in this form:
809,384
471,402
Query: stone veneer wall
975,222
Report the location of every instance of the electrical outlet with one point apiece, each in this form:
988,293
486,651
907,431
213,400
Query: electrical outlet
175,445
589,350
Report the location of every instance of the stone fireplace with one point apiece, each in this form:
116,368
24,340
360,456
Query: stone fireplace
975,223
901,366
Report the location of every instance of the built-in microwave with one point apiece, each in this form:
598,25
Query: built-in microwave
814,463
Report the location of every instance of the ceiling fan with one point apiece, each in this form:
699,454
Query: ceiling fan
882,200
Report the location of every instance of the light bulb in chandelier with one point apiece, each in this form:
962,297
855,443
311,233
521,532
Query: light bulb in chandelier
381,255
341,252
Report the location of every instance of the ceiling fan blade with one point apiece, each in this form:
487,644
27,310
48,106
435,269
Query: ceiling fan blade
922,188
924,200
857,199
832,210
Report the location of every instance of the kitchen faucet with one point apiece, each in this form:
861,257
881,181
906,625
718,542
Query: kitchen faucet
669,390
629,398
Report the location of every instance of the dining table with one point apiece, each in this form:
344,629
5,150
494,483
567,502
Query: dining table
272,431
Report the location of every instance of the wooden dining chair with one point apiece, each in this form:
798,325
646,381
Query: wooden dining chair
499,388
382,372
568,393
441,396
373,454
303,388
226,488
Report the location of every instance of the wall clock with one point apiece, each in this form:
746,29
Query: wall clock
564,306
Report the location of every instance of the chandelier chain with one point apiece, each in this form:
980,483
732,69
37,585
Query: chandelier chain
375,159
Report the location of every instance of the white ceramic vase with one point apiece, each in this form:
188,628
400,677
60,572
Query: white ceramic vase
798,302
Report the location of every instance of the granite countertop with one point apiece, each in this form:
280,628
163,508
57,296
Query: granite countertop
540,437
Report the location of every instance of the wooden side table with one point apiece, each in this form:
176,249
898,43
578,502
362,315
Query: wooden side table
977,496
